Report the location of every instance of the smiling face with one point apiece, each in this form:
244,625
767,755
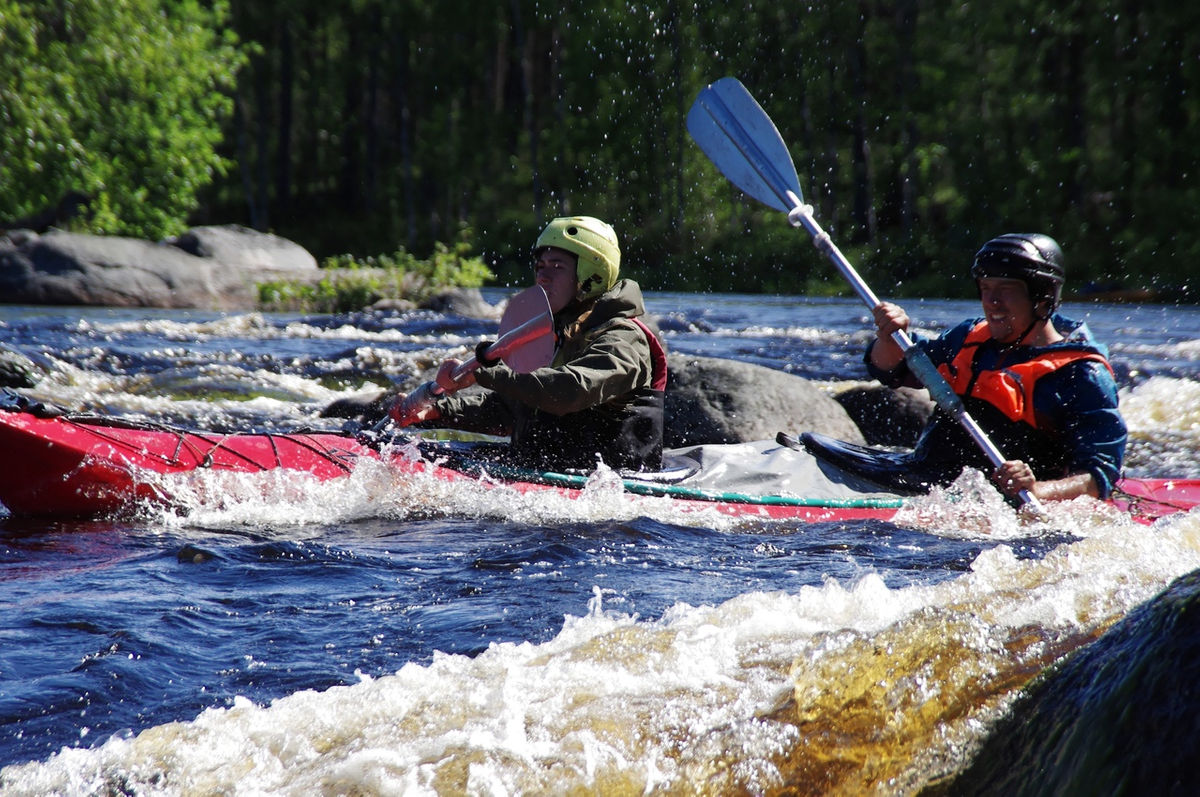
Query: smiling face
1007,307
556,271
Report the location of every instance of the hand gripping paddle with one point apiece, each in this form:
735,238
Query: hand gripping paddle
526,343
741,140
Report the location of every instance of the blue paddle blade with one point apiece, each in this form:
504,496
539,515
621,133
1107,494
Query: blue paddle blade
741,140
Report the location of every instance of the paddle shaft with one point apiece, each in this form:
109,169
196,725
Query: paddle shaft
532,330
742,141
919,362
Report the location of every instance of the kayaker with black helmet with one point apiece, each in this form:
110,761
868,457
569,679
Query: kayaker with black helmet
601,396
1037,382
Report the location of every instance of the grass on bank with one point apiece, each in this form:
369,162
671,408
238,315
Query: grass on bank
348,283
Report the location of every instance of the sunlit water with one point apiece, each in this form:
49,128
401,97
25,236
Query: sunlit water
399,635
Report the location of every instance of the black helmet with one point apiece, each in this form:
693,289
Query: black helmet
1032,257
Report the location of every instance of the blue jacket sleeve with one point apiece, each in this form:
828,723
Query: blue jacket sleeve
1082,400
940,350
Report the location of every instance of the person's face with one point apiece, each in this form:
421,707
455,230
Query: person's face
555,271
1007,308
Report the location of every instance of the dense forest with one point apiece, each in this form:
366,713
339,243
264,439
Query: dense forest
919,129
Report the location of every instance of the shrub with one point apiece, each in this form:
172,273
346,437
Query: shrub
352,283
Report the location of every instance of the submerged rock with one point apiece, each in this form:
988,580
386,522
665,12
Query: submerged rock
17,370
1120,716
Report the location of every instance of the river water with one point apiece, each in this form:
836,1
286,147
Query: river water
356,637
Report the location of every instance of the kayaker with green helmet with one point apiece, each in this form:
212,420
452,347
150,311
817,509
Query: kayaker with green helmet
602,395
1037,382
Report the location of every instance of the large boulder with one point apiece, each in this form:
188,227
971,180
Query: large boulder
708,400
712,400
885,416
219,272
235,247
1117,716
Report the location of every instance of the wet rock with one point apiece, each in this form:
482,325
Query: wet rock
17,370
190,554
394,305
367,408
1117,716
885,416
708,400
467,302
713,400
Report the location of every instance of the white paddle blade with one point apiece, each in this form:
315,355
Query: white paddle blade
535,350
743,143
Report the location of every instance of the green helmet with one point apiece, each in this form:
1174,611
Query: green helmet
595,244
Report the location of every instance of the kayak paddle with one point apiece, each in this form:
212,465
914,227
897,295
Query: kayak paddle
743,143
526,342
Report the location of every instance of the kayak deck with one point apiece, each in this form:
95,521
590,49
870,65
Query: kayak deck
91,466
96,466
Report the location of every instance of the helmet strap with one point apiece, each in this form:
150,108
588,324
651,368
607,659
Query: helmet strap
1048,302
1028,329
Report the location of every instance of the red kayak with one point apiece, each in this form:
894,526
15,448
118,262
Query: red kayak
92,466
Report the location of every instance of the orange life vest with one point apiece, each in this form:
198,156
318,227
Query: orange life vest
1009,389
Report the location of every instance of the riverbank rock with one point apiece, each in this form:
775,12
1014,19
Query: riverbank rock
213,268
467,302
241,248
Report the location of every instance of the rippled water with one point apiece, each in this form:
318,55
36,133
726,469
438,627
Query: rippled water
404,636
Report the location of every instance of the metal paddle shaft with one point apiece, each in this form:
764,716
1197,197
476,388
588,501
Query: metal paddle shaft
526,342
740,139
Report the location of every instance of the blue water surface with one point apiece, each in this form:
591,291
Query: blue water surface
114,627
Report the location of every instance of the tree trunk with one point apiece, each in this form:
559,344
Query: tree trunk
283,143
864,198
351,171
371,123
262,169
404,122
1074,89
906,88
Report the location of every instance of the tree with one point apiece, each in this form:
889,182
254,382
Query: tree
919,127
122,100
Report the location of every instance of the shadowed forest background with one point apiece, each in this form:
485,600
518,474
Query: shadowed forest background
919,129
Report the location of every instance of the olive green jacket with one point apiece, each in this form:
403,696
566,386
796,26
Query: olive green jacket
594,399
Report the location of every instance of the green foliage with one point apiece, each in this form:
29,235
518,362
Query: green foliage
122,100
448,265
351,283
330,294
919,129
